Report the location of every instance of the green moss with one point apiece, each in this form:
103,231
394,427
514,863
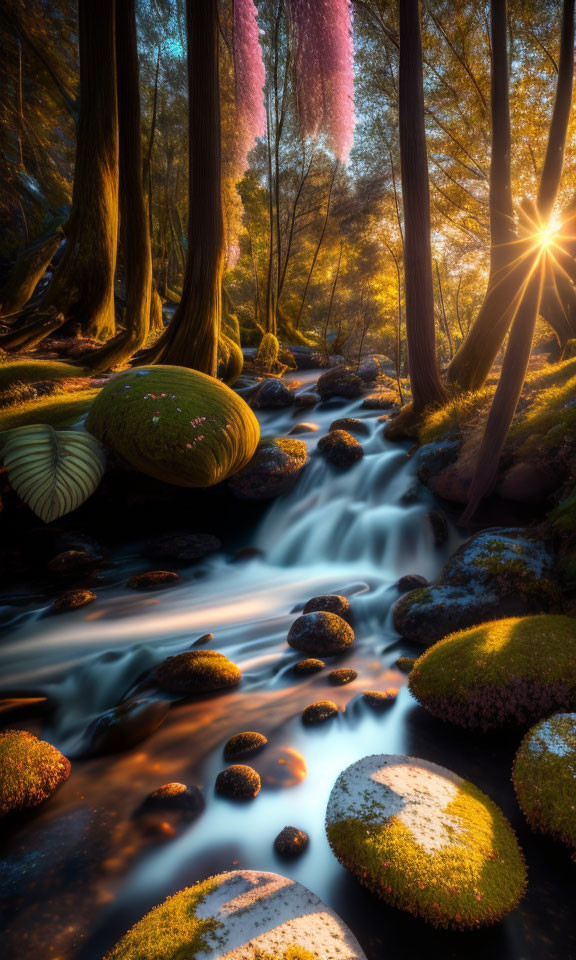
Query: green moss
563,517
58,410
197,671
475,879
171,931
454,414
175,424
551,415
30,770
293,952
230,359
29,371
268,351
506,671
544,777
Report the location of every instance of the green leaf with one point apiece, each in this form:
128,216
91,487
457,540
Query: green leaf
53,472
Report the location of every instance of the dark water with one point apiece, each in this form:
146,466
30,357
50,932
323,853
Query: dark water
78,873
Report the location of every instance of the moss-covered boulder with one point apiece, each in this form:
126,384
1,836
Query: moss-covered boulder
273,470
321,634
172,802
319,711
426,841
230,359
269,394
340,449
291,842
31,770
339,382
175,424
196,671
244,744
342,676
329,603
305,668
512,671
244,914
493,574
544,777
358,428
238,782
373,367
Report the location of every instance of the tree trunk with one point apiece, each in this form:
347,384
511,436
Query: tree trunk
424,376
318,245
83,285
133,220
191,339
28,270
474,359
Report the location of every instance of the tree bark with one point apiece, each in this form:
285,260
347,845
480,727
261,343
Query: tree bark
134,233
82,288
28,270
424,376
191,339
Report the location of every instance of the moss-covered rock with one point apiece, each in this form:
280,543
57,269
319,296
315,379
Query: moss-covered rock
322,634
305,668
175,424
279,920
238,782
405,664
230,359
30,770
339,382
73,600
291,842
273,470
383,400
153,580
172,801
196,671
378,699
268,351
544,777
425,840
329,603
340,449
244,744
342,676
493,574
319,711
512,671
358,428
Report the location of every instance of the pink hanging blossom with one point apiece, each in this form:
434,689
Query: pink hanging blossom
324,61
250,76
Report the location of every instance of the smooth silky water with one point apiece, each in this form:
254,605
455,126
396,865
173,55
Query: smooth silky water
354,532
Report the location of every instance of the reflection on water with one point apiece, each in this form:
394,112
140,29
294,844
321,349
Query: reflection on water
353,532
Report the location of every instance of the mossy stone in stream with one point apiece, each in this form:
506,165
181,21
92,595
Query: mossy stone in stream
153,580
544,777
244,744
278,919
378,699
512,671
329,603
304,668
340,449
238,782
173,800
319,712
73,600
342,676
321,633
291,842
175,424
426,841
351,425
273,470
405,664
30,770
196,671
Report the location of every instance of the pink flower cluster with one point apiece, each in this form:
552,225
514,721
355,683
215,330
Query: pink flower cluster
250,77
324,60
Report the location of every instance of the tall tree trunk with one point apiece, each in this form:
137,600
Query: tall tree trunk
270,317
474,359
318,245
424,376
82,287
28,270
133,219
191,339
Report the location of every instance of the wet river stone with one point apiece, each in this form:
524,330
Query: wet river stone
153,580
31,770
339,382
304,668
244,744
493,574
238,782
340,449
504,672
181,547
321,634
359,428
196,671
174,801
426,841
124,726
269,394
329,603
319,711
291,842
544,777
73,600
274,469
241,915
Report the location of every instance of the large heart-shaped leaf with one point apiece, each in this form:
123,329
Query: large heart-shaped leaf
53,471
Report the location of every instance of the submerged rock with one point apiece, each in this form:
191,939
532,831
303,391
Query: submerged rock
196,671
123,726
339,382
31,770
512,671
241,915
269,394
544,777
244,745
153,580
73,600
238,782
329,603
181,547
273,470
323,634
497,572
300,428
174,802
426,841
319,711
340,449
291,842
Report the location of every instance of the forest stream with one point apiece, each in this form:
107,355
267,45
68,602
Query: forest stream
79,872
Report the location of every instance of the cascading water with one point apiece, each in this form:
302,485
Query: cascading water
353,532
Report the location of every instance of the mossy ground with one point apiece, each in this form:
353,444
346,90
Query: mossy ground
30,370
544,777
30,770
58,410
474,881
505,671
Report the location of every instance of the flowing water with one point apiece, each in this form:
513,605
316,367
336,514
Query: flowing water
79,872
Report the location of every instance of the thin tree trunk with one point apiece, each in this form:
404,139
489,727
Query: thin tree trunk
147,172
424,376
473,361
444,317
332,294
133,220
270,324
82,287
191,339
318,245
